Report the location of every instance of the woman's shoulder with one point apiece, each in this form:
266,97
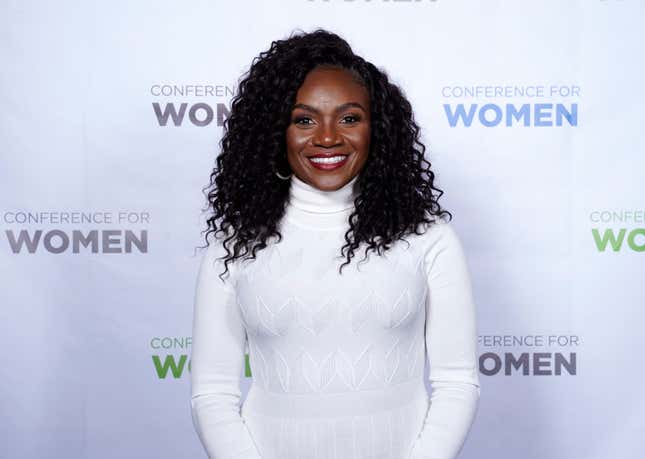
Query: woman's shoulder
437,228
215,244
214,254
439,236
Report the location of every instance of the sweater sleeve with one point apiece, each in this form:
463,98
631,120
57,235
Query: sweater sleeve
217,363
451,345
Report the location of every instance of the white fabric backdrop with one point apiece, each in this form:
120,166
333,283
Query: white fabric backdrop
96,340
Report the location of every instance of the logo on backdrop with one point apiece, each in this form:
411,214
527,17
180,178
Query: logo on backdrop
529,355
545,355
171,357
618,230
188,104
511,105
382,1
76,231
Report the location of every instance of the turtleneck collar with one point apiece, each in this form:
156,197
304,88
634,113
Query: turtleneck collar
317,209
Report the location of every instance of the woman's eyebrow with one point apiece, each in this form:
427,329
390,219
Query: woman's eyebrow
340,108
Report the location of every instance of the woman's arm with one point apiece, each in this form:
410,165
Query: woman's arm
451,343
217,363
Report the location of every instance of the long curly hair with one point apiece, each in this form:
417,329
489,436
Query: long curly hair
247,200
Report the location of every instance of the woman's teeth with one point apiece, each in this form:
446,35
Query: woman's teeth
332,160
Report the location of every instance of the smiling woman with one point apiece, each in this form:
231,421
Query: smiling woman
330,129
320,154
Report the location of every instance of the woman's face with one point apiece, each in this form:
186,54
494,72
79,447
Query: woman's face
331,118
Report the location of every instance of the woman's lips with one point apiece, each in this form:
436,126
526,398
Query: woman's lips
328,164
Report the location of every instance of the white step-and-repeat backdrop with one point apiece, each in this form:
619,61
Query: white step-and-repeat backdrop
110,116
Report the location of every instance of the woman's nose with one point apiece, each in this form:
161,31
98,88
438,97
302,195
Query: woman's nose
327,134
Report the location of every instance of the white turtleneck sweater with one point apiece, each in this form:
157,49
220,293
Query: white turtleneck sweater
337,361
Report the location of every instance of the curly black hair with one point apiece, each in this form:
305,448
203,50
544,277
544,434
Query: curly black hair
247,200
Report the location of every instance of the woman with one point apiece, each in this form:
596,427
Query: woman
321,155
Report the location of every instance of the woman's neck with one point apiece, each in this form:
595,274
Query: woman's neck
317,209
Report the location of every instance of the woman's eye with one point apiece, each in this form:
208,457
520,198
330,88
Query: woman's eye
305,120
299,119
353,118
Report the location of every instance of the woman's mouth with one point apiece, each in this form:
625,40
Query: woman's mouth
328,163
